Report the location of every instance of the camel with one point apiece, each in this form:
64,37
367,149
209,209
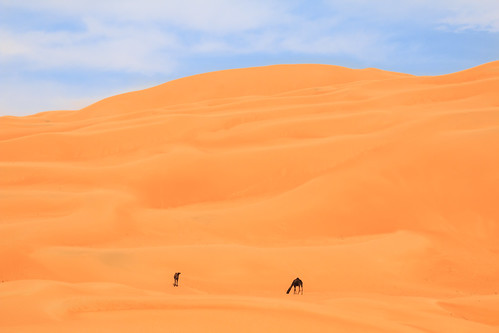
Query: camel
296,283
175,279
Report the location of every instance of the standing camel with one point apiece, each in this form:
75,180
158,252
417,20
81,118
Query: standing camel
175,279
296,283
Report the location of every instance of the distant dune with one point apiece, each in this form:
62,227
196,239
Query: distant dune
378,189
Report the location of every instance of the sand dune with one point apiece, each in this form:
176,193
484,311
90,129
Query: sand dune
377,189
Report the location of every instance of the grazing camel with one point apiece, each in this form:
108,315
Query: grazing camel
296,283
175,279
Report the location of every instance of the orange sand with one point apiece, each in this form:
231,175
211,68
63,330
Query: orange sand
379,190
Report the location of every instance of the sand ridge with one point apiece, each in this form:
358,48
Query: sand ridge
376,188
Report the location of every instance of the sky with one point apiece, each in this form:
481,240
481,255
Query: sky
65,55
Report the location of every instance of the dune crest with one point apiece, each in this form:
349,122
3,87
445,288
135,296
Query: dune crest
377,189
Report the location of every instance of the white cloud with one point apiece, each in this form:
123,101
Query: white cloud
453,14
99,47
134,36
482,15
131,36
152,37
222,16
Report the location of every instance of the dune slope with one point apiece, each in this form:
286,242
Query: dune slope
377,189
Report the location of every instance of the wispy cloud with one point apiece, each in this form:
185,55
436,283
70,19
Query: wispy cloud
54,41
220,16
100,46
481,15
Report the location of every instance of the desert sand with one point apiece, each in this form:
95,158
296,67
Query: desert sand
378,189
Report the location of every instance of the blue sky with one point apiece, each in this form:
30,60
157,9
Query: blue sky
61,54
